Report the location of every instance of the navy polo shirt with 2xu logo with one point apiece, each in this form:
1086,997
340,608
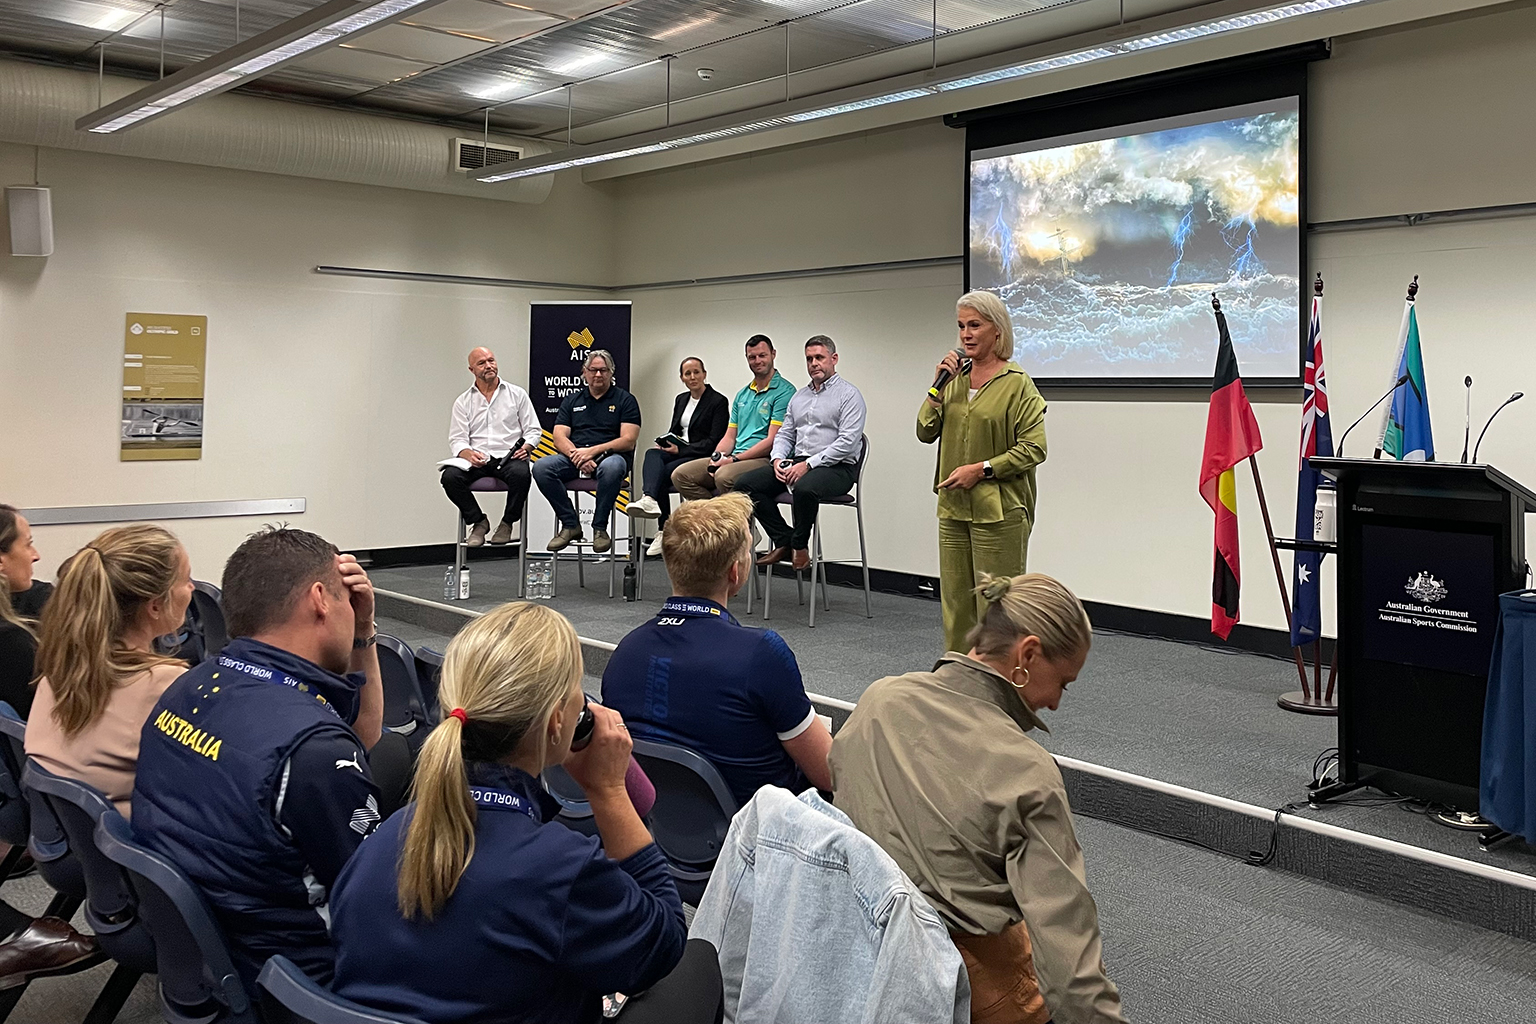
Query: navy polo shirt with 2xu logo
597,420
695,677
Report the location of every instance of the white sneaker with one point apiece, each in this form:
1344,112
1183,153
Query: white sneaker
646,507
654,551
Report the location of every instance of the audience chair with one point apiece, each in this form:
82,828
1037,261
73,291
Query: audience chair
429,670
575,811
209,602
289,996
693,810
16,830
111,906
490,483
577,487
198,980
854,499
43,836
405,707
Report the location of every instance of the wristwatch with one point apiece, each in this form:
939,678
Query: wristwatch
986,470
363,643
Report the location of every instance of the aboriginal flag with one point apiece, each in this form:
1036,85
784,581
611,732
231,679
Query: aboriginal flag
1231,435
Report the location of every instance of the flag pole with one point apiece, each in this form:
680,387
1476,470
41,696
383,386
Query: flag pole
1274,554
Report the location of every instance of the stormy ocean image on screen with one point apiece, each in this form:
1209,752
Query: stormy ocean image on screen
1106,252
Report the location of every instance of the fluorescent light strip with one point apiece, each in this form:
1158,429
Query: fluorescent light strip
1097,53
262,61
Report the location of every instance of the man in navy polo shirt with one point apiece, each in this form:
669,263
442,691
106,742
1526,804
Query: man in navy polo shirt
695,677
253,773
594,436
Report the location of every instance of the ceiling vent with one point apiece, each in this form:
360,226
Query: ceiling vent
473,154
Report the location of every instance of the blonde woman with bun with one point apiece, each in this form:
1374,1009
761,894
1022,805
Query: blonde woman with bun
98,674
940,769
471,904
989,422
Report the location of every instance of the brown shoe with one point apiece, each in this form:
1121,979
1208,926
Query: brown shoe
477,534
564,537
506,533
46,946
601,542
802,559
774,557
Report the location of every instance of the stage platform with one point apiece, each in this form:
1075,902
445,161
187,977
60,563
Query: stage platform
1180,740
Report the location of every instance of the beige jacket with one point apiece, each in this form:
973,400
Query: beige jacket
939,769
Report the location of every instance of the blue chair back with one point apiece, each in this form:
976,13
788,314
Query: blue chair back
111,906
575,811
15,816
405,710
45,839
429,672
197,975
209,602
289,996
693,810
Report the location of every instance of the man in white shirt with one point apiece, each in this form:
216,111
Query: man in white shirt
495,429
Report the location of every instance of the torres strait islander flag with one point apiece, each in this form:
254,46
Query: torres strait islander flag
1231,435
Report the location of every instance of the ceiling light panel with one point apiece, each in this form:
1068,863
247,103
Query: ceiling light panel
484,20
420,44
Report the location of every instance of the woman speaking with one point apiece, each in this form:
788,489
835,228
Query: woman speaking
989,420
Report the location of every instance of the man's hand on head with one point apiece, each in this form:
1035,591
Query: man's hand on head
360,591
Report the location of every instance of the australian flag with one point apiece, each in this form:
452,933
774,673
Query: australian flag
1316,439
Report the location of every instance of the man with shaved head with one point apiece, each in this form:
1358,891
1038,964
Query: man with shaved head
495,429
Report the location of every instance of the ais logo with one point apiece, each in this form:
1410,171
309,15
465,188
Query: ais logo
580,341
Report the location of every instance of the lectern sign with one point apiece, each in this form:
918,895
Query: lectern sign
1429,598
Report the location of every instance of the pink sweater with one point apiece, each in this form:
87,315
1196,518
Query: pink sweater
105,754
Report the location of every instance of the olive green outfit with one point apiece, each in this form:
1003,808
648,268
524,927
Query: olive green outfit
985,529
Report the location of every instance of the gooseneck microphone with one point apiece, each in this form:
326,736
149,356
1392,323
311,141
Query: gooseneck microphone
945,376
1400,382
1512,398
1466,430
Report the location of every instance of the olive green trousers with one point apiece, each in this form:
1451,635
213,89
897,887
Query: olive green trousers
966,550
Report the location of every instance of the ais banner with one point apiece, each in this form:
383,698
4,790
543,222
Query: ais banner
163,386
560,334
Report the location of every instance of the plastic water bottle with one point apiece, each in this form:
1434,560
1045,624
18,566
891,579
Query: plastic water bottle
464,584
450,591
547,579
630,582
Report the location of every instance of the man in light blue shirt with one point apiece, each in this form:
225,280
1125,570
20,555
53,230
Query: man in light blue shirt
815,455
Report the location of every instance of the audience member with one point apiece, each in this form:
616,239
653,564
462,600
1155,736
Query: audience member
939,769
595,434
699,417
815,455
469,905
495,429
695,677
18,627
252,771
98,673
29,947
756,414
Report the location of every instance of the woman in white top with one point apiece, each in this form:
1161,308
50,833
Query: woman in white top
99,675
700,416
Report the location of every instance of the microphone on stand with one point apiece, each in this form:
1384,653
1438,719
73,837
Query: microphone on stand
945,376
1512,398
1466,433
1400,382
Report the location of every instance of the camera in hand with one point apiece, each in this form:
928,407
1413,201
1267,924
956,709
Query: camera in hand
585,723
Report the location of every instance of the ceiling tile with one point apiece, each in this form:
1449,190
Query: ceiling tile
367,67
418,43
482,20
572,8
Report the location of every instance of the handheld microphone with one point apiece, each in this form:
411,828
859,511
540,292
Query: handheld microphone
945,376
1466,431
1512,398
1400,382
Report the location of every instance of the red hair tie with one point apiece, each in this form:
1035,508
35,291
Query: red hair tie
460,715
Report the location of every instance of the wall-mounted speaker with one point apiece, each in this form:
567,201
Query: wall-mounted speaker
31,215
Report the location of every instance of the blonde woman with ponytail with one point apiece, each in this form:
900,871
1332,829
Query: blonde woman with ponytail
98,674
471,904
941,770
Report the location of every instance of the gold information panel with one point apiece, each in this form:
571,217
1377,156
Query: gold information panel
163,363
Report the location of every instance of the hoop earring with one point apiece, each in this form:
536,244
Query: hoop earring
1016,670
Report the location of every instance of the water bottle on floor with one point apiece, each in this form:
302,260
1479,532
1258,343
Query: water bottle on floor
547,579
464,584
450,589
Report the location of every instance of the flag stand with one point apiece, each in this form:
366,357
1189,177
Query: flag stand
1313,700
1285,597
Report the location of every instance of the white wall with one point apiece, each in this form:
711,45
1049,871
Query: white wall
337,390
1399,123
332,389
